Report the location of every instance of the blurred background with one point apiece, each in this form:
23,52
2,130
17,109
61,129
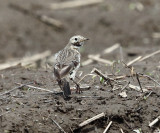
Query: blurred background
29,27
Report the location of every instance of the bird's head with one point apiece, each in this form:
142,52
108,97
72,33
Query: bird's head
77,41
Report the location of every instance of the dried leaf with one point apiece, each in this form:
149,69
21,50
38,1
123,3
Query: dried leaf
123,94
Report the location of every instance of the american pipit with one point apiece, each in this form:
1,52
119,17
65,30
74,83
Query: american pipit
67,63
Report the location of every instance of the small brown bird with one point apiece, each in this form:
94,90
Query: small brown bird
67,63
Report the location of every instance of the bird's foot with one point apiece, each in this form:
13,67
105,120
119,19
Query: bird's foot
78,89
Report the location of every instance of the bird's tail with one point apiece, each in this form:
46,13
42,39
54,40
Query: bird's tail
64,85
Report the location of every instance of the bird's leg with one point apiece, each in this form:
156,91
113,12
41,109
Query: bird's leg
60,83
78,89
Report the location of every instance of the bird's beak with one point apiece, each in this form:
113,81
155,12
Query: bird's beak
85,39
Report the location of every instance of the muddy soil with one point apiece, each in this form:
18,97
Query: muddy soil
29,110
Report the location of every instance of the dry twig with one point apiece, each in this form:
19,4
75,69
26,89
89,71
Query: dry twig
56,90
88,61
98,59
154,121
92,119
149,94
150,55
106,51
121,77
89,97
83,87
38,88
106,78
86,76
43,18
134,61
125,85
60,128
108,126
21,85
143,75
25,61
137,76
111,49
73,4
121,130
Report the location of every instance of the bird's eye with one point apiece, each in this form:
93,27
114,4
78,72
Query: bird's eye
75,39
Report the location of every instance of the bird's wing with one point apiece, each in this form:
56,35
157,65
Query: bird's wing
66,62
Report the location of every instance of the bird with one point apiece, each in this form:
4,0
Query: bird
67,62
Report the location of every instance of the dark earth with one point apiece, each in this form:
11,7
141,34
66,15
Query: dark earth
27,110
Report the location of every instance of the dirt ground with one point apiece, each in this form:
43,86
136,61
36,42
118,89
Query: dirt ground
29,110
